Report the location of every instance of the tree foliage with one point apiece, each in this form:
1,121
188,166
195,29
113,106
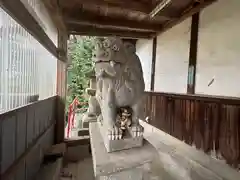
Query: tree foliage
80,50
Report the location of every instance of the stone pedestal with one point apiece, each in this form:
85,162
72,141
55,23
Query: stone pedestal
120,144
93,109
87,118
132,164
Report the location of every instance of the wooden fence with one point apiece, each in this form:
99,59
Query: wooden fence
209,123
24,134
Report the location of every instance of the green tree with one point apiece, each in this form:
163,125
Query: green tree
80,50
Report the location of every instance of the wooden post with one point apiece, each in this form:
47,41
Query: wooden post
193,54
61,88
154,51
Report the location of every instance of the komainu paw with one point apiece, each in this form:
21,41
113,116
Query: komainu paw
115,133
136,130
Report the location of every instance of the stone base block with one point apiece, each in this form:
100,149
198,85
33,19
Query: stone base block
132,164
120,144
86,119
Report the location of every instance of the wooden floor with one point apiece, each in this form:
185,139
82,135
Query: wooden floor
82,170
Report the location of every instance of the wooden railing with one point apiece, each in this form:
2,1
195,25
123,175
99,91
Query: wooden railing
24,134
209,123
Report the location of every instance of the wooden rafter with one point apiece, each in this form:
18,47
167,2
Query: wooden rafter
91,14
94,31
109,22
124,4
160,6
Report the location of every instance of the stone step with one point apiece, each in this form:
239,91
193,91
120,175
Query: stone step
83,132
52,163
77,153
81,140
50,171
78,148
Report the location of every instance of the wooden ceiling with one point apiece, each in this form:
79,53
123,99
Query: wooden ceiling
126,18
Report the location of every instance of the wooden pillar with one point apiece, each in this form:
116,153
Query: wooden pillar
154,51
193,54
61,87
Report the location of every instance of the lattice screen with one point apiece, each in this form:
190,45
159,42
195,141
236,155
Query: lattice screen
26,67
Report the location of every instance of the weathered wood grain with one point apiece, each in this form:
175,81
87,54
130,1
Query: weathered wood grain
209,123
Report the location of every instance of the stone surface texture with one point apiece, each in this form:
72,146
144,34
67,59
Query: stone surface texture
186,162
133,164
120,144
93,107
173,160
119,80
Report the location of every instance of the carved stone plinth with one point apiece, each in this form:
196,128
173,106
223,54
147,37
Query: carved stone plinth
129,141
131,164
87,118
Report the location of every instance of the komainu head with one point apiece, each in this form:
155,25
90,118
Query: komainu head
111,54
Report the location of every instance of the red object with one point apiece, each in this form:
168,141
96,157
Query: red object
71,115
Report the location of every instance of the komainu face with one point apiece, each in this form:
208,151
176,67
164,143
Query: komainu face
110,55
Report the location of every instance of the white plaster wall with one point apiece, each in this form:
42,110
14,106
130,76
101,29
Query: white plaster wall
219,49
172,59
144,51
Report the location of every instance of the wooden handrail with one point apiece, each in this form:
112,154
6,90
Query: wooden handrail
20,108
210,123
198,97
28,124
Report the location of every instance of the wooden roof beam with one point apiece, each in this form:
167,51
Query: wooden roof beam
127,5
159,7
94,31
109,22
123,4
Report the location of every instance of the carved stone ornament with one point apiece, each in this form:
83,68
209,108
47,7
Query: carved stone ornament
120,87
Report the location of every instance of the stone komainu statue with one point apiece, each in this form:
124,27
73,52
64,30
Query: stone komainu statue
120,84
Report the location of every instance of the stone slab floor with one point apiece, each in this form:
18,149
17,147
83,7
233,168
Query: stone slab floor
82,170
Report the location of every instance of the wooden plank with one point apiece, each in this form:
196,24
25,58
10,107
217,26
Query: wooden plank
9,148
61,88
60,108
154,52
159,7
13,168
1,142
94,31
20,116
124,4
18,11
211,124
128,6
193,54
206,98
109,22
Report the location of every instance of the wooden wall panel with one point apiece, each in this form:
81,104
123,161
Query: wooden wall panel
209,123
61,87
22,141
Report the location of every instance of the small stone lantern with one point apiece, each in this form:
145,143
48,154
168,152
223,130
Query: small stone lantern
93,110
